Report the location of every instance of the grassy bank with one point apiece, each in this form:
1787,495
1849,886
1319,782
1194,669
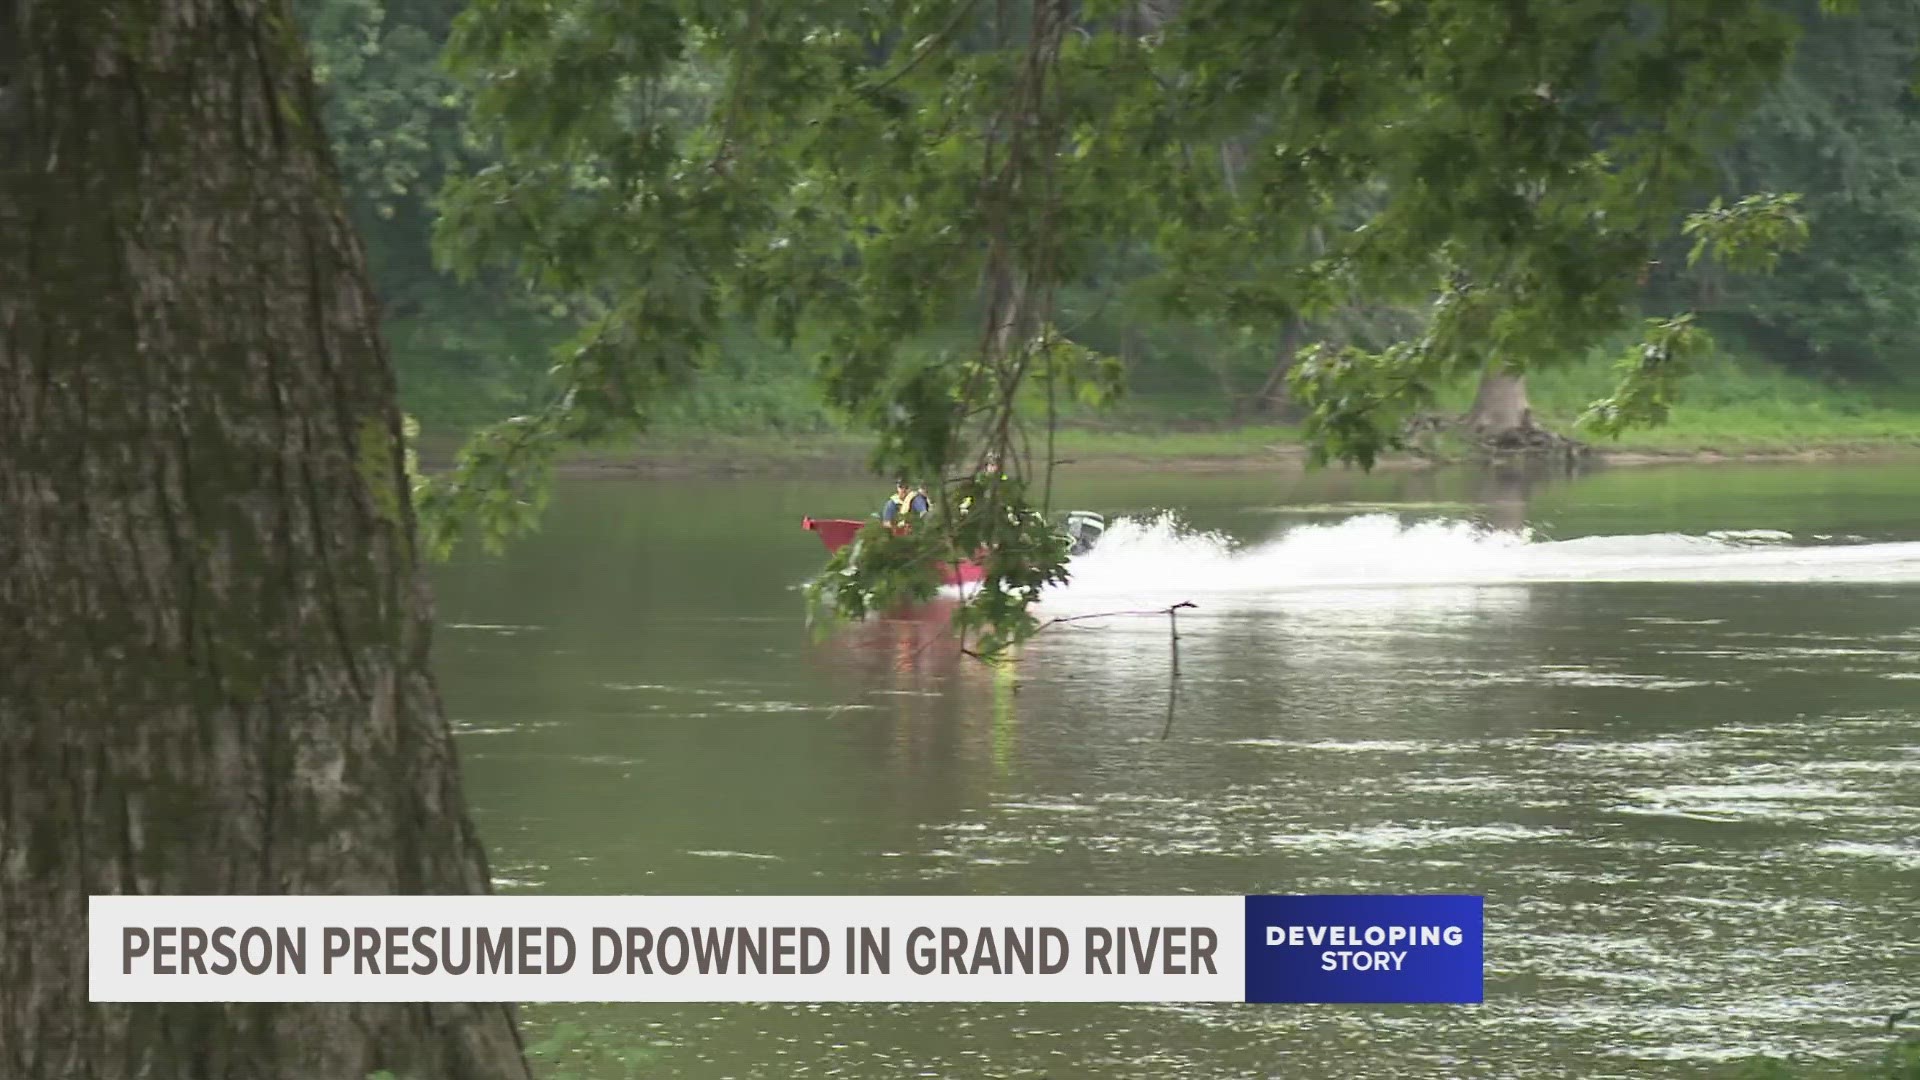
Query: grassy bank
691,453
1732,409
1735,407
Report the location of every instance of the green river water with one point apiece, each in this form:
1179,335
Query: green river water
1664,719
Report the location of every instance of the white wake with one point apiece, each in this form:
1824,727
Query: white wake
1161,559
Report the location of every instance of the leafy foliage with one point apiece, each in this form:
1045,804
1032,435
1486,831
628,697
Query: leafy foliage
868,173
393,115
496,489
1843,127
1750,235
878,570
1651,374
1837,127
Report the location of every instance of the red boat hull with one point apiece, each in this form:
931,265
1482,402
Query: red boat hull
837,533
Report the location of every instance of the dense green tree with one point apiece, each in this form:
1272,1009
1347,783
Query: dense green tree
1836,129
870,171
1843,127
394,117
466,350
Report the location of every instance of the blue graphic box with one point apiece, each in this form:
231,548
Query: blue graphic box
1366,949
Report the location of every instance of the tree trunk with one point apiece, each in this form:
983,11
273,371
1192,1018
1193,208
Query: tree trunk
213,629
1274,398
1500,411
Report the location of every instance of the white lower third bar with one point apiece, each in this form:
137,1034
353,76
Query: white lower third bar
666,948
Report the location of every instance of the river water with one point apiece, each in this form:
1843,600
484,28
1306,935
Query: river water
1664,719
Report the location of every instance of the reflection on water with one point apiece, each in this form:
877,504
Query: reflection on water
1663,721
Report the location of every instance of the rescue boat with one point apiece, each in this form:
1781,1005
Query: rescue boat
837,533
1082,530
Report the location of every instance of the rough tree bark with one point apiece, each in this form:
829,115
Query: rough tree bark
213,629
1500,411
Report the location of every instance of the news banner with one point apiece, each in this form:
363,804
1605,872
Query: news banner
1319,948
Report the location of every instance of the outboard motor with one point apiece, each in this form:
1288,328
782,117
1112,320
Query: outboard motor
1083,531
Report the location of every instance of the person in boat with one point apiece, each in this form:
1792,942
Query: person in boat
904,503
989,473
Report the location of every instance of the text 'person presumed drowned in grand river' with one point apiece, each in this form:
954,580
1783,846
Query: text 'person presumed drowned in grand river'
634,950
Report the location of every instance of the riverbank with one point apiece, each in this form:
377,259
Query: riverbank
1734,409
667,453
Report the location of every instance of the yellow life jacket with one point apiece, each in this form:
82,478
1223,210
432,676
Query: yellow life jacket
903,507
987,476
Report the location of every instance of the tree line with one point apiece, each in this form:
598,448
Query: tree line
1841,127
